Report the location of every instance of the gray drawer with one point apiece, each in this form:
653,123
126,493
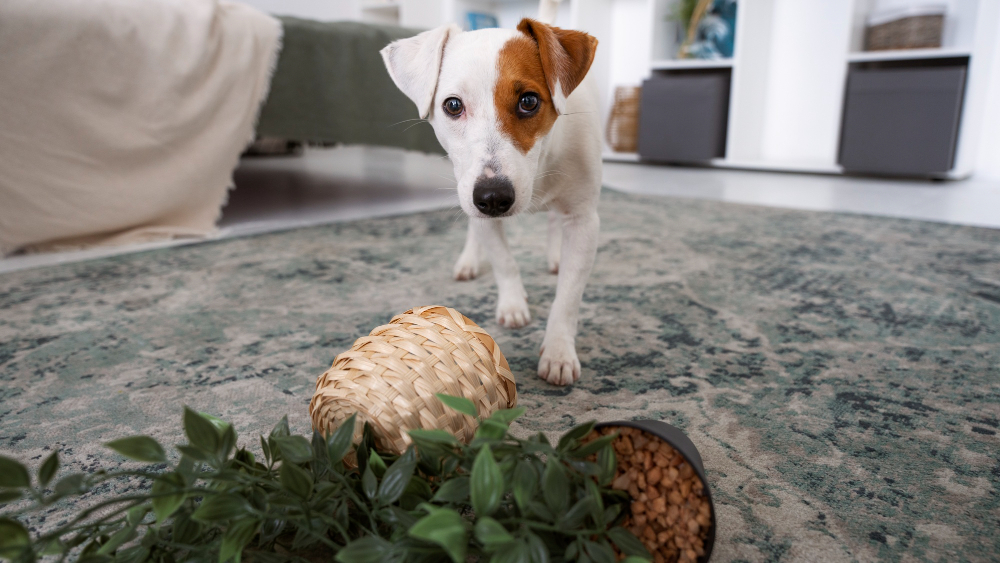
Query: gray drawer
683,116
901,121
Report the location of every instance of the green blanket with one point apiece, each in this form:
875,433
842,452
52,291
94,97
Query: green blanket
330,86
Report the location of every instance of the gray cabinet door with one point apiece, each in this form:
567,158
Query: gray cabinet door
901,121
683,117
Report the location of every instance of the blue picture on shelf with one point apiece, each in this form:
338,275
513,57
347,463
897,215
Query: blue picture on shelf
716,32
479,20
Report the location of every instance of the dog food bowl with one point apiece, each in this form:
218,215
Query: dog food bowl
679,441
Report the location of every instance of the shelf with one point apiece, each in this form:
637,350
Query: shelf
906,54
691,64
379,5
611,156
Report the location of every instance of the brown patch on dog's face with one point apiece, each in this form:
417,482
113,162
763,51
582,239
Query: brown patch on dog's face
521,74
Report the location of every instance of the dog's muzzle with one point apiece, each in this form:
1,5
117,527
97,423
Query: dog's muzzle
493,196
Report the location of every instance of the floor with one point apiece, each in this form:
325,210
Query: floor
348,183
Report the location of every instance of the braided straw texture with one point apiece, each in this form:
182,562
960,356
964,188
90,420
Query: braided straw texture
391,376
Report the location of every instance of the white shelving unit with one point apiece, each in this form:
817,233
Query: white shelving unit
789,72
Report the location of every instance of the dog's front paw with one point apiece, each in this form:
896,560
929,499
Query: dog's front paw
466,268
513,312
559,364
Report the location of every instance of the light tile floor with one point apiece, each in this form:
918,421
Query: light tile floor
348,183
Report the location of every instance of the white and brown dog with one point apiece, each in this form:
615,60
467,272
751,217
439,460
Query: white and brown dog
521,126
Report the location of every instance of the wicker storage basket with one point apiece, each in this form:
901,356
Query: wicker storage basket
623,124
391,376
912,32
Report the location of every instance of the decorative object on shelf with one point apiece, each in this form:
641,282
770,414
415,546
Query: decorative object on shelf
623,124
480,20
709,28
905,25
390,378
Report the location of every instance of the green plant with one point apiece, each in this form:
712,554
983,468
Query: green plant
681,11
498,499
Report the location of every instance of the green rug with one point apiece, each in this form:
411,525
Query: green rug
840,374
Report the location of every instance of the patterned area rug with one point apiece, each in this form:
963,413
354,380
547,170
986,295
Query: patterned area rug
840,374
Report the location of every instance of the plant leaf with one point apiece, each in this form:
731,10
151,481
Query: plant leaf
10,495
72,484
460,404
537,550
491,430
201,433
369,483
377,464
295,449
117,539
486,486
339,443
516,552
296,480
454,490
446,528
634,559
608,462
139,448
555,486
506,416
221,507
492,534
434,436
164,506
235,538
628,543
599,552
14,539
594,446
525,484
13,474
575,516
569,438
397,477
266,449
227,441
48,469
369,549
281,428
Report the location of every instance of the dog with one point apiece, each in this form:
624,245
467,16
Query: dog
519,121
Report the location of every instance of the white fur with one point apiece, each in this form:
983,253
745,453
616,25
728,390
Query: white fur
561,173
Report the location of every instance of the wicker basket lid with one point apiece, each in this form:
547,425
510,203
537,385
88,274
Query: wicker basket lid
391,376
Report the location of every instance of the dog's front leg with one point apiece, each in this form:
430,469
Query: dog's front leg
467,266
512,303
559,364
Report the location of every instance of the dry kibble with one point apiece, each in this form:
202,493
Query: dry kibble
669,513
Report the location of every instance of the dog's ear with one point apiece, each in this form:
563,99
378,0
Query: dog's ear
415,62
566,57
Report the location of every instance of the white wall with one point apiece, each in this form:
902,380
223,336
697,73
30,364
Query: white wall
988,161
806,73
326,10
631,43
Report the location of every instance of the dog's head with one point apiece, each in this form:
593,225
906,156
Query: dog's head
492,96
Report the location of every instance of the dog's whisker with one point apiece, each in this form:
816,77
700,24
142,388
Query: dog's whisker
405,121
415,124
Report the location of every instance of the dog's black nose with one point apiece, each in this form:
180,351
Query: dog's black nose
493,196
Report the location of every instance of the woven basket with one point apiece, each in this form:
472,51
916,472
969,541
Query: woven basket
916,32
391,376
623,124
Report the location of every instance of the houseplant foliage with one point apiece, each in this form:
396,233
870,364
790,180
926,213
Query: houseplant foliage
498,499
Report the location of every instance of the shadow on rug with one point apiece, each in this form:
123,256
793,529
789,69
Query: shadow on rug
839,373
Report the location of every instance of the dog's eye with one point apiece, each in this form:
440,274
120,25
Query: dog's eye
454,107
528,103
